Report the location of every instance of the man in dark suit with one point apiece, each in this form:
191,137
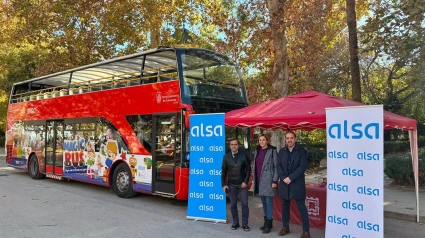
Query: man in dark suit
236,166
292,162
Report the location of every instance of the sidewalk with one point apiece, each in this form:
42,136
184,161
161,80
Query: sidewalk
3,165
399,203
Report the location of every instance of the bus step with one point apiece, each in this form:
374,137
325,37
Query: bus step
168,195
54,176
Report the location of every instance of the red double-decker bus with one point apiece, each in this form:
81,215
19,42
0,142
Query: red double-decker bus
120,123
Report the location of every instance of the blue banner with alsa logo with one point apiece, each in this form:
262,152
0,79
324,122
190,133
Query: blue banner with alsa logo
355,160
207,201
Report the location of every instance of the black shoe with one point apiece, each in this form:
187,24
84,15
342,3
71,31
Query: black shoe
246,228
268,226
234,227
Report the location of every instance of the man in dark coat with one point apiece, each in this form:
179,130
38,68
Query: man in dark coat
292,162
236,166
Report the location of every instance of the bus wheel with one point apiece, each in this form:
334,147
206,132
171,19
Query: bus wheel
34,169
122,182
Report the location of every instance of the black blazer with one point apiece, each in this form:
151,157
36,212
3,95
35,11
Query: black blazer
294,170
237,170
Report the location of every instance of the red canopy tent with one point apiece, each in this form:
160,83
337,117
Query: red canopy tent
307,111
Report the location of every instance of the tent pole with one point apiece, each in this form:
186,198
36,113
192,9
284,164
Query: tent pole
413,136
417,200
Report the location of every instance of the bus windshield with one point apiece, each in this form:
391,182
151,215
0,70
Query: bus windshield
207,74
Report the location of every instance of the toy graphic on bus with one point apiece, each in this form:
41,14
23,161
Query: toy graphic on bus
111,151
91,158
99,165
148,162
133,164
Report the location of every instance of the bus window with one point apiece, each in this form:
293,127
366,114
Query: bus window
109,132
80,131
20,93
160,67
95,132
142,126
209,75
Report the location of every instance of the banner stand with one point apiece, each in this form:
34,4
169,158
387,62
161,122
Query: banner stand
355,188
207,200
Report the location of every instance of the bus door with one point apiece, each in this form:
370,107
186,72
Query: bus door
54,147
164,153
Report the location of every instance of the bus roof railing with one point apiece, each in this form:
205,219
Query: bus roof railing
95,65
105,83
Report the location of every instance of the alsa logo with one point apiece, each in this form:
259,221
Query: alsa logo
368,191
338,220
338,187
352,206
337,155
206,131
352,172
368,226
371,131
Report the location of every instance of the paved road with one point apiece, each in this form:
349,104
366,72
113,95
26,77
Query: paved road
51,208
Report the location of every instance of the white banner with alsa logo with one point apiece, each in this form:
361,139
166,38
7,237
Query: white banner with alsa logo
355,156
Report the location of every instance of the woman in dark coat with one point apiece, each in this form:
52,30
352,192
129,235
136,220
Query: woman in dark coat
265,178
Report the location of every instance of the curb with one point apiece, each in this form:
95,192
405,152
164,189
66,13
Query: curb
403,216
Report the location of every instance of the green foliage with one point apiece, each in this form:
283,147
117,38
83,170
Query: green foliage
396,146
391,147
394,60
315,155
17,64
399,168
312,139
3,110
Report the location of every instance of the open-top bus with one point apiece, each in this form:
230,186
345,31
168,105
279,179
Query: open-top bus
120,123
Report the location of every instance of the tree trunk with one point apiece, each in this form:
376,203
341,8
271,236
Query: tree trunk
354,48
154,37
280,64
277,138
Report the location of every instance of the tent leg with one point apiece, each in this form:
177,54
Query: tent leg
413,137
417,199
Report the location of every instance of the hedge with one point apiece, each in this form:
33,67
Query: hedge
399,168
315,156
389,146
396,146
401,145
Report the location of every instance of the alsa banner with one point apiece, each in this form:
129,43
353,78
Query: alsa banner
207,200
355,195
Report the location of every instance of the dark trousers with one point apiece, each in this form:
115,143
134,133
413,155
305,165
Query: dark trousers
303,212
234,191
